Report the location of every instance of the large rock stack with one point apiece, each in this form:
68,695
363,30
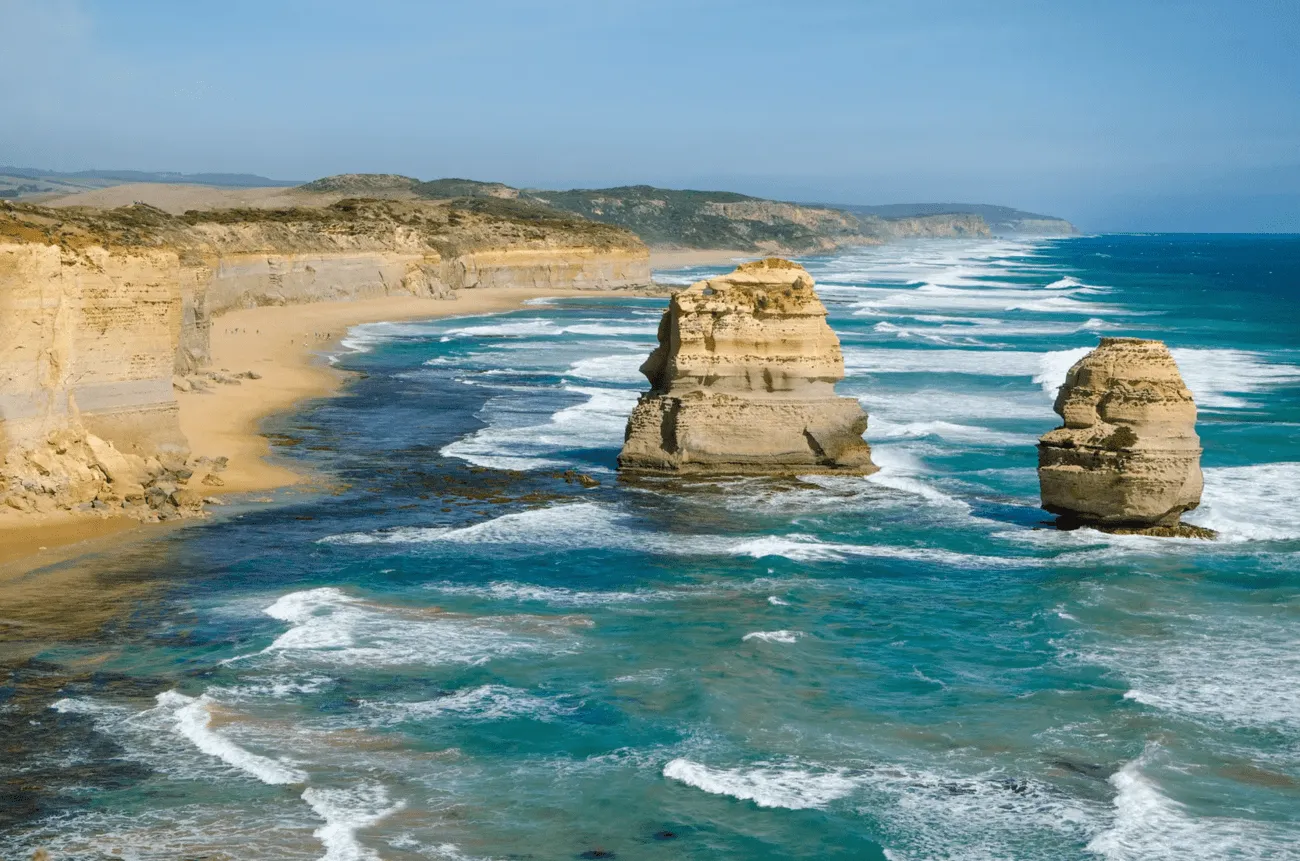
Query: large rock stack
743,381
1127,458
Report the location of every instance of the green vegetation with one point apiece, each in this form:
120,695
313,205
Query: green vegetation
446,189
1002,219
707,219
464,224
362,184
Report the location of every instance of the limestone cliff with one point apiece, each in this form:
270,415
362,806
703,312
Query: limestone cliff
743,381
939,226
88,345
1127,456
99,310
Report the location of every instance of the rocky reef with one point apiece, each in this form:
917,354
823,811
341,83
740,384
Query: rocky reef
1127,458
743,381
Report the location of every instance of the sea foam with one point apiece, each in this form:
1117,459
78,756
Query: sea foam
1149,826
765,784
330,627
347,811
1254,503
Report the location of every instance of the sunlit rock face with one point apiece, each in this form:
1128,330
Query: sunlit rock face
1127,456
743,381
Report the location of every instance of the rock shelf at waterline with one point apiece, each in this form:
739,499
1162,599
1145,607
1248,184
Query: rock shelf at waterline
1127,457
743,381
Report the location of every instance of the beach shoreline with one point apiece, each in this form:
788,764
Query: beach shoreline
285,346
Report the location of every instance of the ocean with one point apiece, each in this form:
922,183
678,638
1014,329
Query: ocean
459,651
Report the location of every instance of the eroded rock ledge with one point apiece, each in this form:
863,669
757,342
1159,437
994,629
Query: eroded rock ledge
1127,458
743,381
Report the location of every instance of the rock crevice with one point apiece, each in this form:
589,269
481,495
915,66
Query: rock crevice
743,381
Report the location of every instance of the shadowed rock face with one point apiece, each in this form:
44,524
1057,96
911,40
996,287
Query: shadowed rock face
743,381
1128,456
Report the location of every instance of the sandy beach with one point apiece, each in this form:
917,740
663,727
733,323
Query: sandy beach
286,346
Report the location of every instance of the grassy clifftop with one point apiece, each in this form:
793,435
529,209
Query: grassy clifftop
450,228
665,218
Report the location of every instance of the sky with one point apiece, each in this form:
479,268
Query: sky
1121,115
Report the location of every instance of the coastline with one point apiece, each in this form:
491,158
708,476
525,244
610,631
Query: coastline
284,344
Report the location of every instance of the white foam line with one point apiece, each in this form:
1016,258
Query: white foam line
1149,826
347,811
584,525
774,636
192,719
764,784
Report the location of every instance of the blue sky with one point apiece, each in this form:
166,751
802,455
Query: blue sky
1136,115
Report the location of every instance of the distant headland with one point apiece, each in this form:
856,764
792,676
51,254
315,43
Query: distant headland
665,219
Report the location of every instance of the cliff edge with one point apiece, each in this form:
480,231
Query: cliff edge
743,381
1127,457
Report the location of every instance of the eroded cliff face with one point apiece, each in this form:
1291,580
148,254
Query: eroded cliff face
1127,457
942,226
743,381
88,344
99,311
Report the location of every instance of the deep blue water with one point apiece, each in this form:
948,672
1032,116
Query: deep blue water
461,654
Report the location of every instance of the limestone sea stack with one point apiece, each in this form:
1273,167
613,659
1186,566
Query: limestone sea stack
743,382
1127,458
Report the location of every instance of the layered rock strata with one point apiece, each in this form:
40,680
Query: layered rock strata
743,381
1127,457
100,312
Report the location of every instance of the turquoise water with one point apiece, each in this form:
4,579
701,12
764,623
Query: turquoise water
459,654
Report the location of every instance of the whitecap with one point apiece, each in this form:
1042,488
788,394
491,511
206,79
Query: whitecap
899,470
150,737
1256,503
597,422
773,636
971,434
596,525
330,627
508,329
1149,826
932,815
556,596
765,784
620,368
192,719
347,811
483,703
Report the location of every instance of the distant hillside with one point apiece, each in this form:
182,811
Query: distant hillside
709,219
446,189
22,182
661,217
1001,219
364,184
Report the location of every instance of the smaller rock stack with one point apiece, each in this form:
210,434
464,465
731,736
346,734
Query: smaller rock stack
743,381
1127,458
